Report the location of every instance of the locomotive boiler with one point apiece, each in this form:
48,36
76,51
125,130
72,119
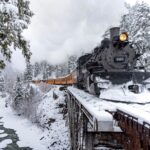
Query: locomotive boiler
113,62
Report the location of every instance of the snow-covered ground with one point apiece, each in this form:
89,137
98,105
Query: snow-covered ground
122,94
52,132
29,134
51,118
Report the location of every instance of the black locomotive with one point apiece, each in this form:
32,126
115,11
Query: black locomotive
113,62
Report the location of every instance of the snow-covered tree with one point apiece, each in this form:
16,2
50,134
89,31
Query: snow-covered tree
28,72
14,18
2,83
18,95
36,69
27,102
45,75
49,70
27,92
61,69
44,69
72,63
137,23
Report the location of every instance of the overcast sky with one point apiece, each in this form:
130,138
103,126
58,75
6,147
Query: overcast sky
61,28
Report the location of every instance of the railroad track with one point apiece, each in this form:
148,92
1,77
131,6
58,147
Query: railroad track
94,121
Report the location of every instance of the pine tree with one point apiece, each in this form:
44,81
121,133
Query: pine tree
137,23
44,76
28,72
49,70
72,63
36,69
2,83
45,70
60,69
28,93
18,95
14,18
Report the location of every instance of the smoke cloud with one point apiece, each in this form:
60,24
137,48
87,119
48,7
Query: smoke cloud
61,28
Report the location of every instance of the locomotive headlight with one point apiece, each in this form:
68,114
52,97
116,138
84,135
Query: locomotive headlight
123,37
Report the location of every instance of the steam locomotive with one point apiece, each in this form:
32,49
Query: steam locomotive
113,62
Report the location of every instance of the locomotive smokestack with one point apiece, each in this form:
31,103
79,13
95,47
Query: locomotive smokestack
114,32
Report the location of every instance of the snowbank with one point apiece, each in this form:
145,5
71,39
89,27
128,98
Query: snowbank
29,134
122,94
52,120
50,134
